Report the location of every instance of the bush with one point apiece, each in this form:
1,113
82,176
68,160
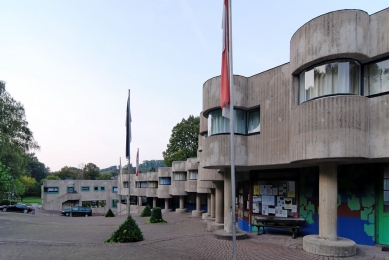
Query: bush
7,202
126,233
109,214
156,216
146,212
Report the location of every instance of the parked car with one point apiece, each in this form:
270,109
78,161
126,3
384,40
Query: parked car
77,211
16,208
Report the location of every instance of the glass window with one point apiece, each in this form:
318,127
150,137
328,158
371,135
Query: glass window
386,190
51,189
341,77
165,181
96,188
115,189
376,78
85,188
193,175
179,176
102,188
115,203
125,184
70,189
253,125
153,184
217,124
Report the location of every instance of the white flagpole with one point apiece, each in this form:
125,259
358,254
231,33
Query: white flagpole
129,137
232,130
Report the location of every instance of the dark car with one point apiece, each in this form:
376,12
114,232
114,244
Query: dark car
77,211
16,208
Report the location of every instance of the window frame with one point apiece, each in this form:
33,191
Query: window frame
51,192
82,187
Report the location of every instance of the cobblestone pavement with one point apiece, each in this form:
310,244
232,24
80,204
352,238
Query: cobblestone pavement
47,235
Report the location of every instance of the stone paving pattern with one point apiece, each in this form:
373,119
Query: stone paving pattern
47,235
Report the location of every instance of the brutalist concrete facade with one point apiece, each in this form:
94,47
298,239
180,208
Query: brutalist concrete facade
322,142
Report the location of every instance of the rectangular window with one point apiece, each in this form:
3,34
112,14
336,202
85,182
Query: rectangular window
85,188
193,175
102,188
125,184
70,189
52,190
141,184
153,184
386,190
376,78
115,189
179,176
253,122
165,181
96,188
99,188
115,203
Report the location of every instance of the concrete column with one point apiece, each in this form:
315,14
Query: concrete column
198,202
328,201
182,202
227,201
128,205
219,202
154,202
166,204
209,203
212,203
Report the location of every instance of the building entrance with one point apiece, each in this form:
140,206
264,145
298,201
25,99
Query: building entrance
383,209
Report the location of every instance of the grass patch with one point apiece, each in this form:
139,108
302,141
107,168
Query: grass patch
32,200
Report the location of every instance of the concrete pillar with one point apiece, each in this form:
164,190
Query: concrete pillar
328,201
166,204
227,201
128,205
209,204
219,202
198,202
212,212
182,202
154,202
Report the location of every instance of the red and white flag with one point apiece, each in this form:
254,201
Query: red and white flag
137,163
225,79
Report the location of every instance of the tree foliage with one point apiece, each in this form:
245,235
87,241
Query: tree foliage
91,171
27,182
37,170
183,142
146,212
16,139
5,179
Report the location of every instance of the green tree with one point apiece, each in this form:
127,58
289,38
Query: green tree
37,170
18,188
67,172
183,142
91,171
27,182
104,176
52,177
5,180
16,139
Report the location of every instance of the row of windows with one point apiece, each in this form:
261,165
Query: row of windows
55,190
344,77
245,122
177,176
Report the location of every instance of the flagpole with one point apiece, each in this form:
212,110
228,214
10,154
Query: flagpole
128,146
232,130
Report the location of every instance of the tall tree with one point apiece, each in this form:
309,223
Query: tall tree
92,171
183,142
16,139
5,180
37,170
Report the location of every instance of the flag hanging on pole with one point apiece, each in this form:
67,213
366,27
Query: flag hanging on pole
225,79
128,127
137,163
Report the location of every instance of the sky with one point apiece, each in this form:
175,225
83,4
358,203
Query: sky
71,64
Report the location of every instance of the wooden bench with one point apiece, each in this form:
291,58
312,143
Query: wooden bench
294,224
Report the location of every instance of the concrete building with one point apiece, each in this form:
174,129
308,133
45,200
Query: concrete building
312,135
100,195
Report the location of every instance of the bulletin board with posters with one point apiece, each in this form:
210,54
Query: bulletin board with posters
278,198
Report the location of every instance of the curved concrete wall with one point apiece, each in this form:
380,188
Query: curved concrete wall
191,185
203,124
211,94
217,154
151,192
340,34
191,164
330,127
163,191
178,166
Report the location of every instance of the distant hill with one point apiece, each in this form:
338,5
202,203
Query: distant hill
145,166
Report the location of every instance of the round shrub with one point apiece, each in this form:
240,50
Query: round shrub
109,214
146,212
126,233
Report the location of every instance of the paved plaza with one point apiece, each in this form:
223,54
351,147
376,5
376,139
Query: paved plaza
47,235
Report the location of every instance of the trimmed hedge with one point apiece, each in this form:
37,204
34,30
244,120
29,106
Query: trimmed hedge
156,216
109,214
6,202
126,233
146,212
